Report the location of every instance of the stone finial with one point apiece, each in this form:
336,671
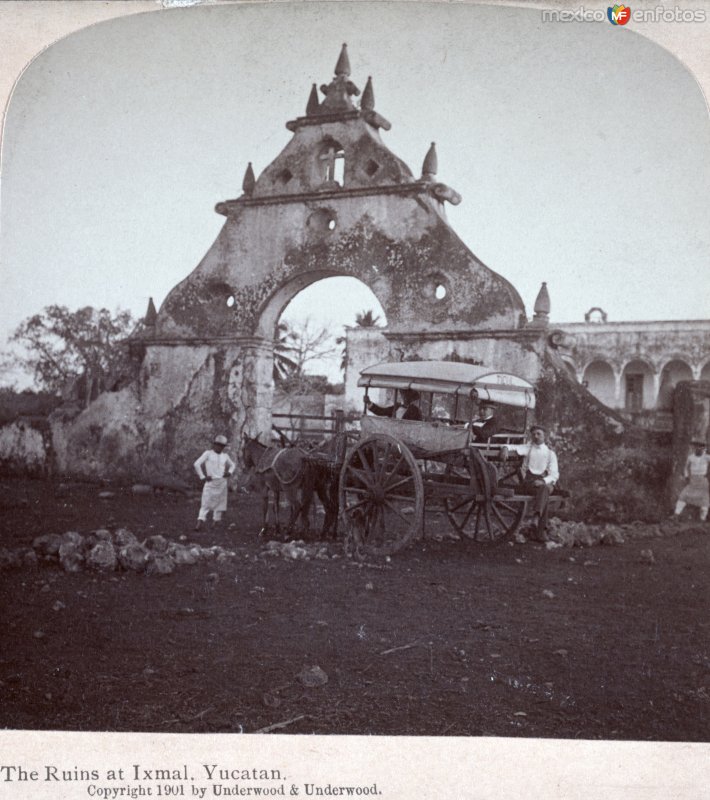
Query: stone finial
430,165
368,96
313,103
541,317
249,181
367,108
343,65
340,90
151,315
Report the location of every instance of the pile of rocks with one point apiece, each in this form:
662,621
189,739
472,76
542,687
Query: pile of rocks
107,551
297,550
568,533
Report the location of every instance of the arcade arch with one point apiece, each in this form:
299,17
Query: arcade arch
599,380
638,386
672,373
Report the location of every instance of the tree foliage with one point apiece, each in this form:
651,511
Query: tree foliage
298,344
58,345
363,319
367,319
284,365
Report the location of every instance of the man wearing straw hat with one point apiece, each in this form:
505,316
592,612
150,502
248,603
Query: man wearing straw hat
213,468
695,492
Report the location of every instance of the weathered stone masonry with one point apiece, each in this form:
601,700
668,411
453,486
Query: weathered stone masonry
335,202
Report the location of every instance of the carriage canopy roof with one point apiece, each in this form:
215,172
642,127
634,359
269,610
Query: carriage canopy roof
451,377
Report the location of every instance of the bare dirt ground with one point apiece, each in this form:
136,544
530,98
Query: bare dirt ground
448,638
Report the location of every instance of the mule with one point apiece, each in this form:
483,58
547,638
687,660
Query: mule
292,472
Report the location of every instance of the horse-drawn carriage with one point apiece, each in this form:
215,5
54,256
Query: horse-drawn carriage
398,470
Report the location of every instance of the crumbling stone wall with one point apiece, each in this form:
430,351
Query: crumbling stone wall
26,447
616,471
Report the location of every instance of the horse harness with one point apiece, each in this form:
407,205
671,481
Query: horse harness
270,460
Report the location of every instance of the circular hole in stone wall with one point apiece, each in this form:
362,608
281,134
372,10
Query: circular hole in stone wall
322,220
440,291
230,301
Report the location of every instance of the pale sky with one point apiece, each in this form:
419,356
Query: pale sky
581,150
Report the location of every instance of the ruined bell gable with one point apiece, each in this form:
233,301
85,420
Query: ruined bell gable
335,202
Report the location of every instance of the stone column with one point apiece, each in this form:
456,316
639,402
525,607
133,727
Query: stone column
250,388
618,399
656,389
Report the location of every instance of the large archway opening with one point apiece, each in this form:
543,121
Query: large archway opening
315,335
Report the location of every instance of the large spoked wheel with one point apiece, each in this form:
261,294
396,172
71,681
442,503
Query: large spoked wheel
485,521
480,509
381,495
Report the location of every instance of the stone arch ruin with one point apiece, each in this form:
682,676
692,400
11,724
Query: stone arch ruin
335,202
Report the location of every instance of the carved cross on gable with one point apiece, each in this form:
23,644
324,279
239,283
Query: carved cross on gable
332,160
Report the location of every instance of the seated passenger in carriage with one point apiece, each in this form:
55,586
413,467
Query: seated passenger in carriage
486,424
407,409
540,473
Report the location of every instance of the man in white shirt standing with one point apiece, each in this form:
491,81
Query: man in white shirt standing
695,492
540,473
213,468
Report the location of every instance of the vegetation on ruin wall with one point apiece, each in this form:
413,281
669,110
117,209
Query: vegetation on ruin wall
615,471
14,404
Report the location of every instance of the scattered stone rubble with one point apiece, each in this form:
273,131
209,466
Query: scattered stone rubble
567,533
107,551
297,549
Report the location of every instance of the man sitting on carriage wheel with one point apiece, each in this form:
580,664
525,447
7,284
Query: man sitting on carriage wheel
407,409
539,472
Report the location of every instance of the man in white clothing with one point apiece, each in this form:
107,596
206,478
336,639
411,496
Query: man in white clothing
695,492
539,473
214,467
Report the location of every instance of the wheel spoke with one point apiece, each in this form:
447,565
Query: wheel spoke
367,457
380,525
381,455
503,522
358,489
393,472
478,521
359,503
489,527
453,509
391,486
362,475
468,514
397,512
